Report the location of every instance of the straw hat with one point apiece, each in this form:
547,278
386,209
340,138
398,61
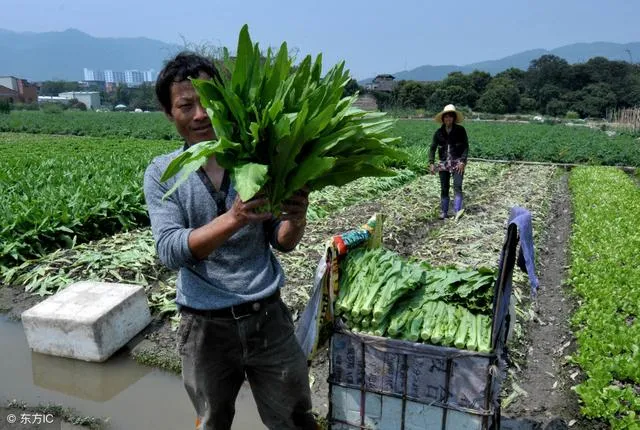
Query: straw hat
449,108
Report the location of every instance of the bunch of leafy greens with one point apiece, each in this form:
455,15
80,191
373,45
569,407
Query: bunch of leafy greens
280,128
383,294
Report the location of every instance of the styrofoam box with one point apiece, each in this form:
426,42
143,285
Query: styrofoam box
87,320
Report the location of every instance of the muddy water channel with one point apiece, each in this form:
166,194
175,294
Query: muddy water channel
129,395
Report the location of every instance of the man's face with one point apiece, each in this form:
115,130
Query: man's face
190,118
448,119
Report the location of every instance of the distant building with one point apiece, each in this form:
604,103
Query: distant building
52,99
91,99
112,77
93,75
133,77
17,90
150,75
383,83
7,94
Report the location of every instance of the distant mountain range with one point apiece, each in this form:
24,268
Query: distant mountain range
574,53
63,55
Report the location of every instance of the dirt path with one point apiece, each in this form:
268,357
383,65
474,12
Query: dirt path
14,301
546,377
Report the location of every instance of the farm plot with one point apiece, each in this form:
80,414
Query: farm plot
150,125
531,142
478,240
60,191
605,273
410,202
507,141
130,256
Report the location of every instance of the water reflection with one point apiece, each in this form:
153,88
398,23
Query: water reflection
86,380
129,395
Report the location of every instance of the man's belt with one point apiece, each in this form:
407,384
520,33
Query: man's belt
236,312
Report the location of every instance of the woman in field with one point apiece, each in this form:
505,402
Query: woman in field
453,146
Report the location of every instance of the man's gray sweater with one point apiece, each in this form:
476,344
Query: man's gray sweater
243,269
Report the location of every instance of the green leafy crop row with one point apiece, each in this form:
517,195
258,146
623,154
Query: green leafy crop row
60,190
149,125
529,142
56,191
605,272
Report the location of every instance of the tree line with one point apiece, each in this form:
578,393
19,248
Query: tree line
549,86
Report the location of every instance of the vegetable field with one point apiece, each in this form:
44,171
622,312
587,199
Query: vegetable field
605,273
150,125
534,142
531,142
59,191
72,209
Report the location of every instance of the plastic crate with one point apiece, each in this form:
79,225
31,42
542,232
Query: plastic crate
408,385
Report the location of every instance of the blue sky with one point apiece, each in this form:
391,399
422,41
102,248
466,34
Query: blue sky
372,36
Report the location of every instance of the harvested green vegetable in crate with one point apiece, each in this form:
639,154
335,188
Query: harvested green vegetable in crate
383,294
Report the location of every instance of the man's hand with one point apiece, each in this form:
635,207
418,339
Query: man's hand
204,240
432,168
294,219
294,209
460,168
243,213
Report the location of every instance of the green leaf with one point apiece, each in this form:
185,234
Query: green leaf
298,126
211,97
249,178
237,109
300,84
279,74
254,127
327,143
345,175
254,79
316,72
194,158
208,91
275,109
176,165
319,123
244,60
311,168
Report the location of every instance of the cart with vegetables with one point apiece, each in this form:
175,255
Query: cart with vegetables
412,346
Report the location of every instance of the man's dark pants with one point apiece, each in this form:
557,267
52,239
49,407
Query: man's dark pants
217,353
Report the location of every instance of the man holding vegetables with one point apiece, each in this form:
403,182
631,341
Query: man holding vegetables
234,324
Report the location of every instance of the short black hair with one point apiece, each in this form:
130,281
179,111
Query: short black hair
183,66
